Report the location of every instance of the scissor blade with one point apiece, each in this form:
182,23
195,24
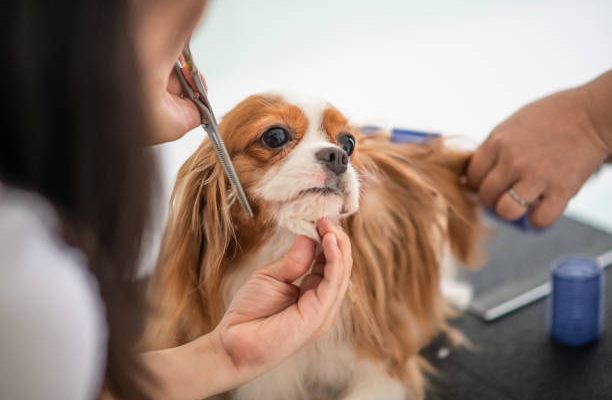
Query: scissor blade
209,123
224,158
226,163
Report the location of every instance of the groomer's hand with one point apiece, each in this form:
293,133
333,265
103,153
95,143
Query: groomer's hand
177,115
543,154
271,318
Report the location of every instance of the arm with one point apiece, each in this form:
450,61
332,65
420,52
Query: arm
545,152
268,308
198,369
598,94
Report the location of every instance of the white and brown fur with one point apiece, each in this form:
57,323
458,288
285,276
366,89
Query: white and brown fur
402,205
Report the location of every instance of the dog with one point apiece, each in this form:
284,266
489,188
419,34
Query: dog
403,206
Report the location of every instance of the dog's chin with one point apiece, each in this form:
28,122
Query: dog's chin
300,215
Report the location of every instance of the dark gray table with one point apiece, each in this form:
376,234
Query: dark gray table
515,359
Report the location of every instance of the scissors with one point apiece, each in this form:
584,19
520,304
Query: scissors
195,89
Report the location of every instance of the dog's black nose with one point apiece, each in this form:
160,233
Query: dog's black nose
334,159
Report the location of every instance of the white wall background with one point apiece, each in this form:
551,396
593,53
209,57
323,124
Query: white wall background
453,66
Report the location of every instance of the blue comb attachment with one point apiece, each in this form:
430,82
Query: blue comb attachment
521,223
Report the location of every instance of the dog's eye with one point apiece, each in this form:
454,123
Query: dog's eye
347,142
275,138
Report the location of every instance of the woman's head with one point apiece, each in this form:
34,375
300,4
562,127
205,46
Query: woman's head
77,103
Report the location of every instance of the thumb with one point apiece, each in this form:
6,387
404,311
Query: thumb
295,262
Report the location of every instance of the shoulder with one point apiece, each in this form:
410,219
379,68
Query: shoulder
53,329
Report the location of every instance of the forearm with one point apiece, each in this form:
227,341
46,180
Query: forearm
599,106
196,370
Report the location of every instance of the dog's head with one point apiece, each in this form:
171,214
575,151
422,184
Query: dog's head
293,157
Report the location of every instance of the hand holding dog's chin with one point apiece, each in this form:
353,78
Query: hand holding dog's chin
271,318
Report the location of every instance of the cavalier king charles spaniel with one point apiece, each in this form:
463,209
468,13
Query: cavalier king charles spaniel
404,207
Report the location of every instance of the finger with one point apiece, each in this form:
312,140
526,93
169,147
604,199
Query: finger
312,280
185,111
322,302
178,115
495,184
295,262
528,189
190,113
333,259
480,164
332,272
185,114
344,243
548,210
337,273
318,270
314,305
326,226
332,314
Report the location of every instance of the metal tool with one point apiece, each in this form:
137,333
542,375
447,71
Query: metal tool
195,89
531,296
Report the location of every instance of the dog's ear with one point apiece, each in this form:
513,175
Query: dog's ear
185,288
413,203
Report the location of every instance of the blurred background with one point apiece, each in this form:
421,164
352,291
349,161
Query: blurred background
457,67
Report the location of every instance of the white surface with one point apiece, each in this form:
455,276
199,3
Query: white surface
53,333
452,66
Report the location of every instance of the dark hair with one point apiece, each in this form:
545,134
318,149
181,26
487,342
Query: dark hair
73,132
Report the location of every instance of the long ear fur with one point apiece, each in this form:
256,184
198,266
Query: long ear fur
185,287
412,203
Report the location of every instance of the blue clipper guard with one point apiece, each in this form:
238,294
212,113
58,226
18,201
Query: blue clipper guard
521,223
403,135
576,301
412,136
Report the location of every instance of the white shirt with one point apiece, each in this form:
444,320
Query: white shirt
52,325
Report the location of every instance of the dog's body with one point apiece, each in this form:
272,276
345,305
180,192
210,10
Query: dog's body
403,207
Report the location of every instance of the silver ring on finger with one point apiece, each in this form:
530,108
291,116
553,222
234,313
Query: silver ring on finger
517,198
